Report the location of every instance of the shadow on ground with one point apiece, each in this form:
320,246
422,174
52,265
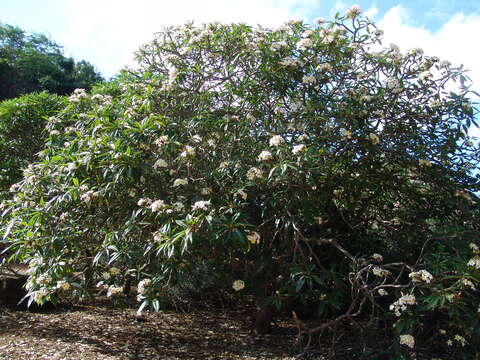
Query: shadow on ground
119,334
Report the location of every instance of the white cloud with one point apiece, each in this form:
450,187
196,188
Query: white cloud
107,32
371,12
452,41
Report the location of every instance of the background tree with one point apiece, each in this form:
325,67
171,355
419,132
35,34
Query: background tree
33,62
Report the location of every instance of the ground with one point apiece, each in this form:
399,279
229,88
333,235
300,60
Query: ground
102,332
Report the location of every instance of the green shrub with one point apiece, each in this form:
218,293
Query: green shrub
22,133
285,159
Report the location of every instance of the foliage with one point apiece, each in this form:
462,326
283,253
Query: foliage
33,62
22,133
301,163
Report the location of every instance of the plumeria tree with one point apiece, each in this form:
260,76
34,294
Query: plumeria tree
22,133
304,165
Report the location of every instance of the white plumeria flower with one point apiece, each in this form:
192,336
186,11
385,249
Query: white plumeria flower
143,285
63,285
162,140
304,44
144,202
158,206
407,340
468,283
346,134
160,163
421,276
265,155
378,271
189,151
114,271
374,139
238,285
276,140
297,149
197,138
382,292
253,237
114,290
242,194
203,205
254,173
180,182
474,262
377,257
460,339
354,11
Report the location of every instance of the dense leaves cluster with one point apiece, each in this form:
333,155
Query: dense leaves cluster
22,133
32,62
303,165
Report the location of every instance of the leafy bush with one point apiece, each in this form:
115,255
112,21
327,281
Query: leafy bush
22,133
301,163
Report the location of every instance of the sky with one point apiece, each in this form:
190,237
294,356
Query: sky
107,32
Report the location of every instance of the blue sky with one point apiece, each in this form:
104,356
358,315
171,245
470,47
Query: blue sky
107,32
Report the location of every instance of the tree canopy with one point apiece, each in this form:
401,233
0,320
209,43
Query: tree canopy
299,164
33,62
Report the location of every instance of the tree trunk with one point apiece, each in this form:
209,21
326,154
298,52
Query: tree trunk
264,318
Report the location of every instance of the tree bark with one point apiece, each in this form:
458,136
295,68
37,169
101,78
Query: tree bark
264,318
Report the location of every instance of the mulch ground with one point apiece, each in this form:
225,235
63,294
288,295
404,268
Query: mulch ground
102,332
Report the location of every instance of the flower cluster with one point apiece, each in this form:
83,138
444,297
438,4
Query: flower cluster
201,205
90,196
78,95
253,237
421,276
394,85
238,285
63,285
346,134
254,173
374,139
309,79
382,292
297,149
158,206
474,262
407,340
468,283
241,193
378,271
188,152
114,291
180,182
276,140
162,140
475,249
401,304
265,155
143,286
160,163
377,257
